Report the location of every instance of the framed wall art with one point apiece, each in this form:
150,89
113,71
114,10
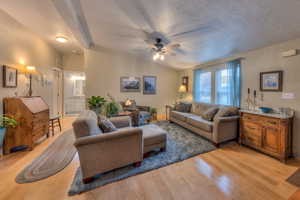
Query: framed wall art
149,83
271,81
10,77
130,84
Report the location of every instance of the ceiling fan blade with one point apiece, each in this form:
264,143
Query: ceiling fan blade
203,29
173,46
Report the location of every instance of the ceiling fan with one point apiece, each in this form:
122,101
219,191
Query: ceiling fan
161,47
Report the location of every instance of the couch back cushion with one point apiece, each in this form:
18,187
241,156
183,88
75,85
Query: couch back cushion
86,124
200,108
210,113
183,107
227,111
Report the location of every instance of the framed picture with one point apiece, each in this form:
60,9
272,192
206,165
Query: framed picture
149,85
10,77
185,82
130,84
271,81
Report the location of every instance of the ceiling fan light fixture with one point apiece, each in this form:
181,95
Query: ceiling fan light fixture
61,39
162,57
156,56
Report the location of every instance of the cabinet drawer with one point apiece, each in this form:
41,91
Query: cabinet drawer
251,118
270,122
252,134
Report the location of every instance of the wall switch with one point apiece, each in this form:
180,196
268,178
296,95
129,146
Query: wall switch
288,96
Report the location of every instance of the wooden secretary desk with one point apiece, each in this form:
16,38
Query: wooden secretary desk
32,115
268,133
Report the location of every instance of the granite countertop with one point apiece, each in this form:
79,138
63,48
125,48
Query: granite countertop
275,115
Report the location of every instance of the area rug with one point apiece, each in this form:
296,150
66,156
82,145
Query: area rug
181,144
295,178
54,159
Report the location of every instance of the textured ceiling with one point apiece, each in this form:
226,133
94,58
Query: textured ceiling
213,28
42,18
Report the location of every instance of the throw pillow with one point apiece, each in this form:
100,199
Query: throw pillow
107,126
183,107
227,112
210,113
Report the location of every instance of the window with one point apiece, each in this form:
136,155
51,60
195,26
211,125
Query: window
219,84
204,92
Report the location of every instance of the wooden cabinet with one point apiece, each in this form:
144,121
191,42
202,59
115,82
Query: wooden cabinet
268,134
32,115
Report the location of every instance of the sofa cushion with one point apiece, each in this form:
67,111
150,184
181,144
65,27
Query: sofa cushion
183,107
199,122
200,108
86,124
227,112
210,113
180,115
107,126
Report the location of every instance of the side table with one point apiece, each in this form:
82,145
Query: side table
168,110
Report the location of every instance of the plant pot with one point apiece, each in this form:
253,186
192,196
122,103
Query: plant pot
2,136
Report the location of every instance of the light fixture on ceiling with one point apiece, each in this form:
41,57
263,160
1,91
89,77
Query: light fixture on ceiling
61,39
158,56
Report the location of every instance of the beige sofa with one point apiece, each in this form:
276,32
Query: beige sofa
99,152
221,129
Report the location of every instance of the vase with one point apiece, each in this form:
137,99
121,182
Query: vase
2,136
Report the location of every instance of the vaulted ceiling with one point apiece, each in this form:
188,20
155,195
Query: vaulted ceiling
205,29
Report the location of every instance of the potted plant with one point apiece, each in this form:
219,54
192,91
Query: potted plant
153,112
112,108
5,122
96,103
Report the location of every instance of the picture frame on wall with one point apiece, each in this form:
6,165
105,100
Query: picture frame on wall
149,83
130,84
10,77
271,81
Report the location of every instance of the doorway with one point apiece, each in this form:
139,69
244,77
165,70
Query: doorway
74,97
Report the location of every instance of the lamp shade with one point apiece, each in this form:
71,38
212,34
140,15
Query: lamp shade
128,102
30,68
182,89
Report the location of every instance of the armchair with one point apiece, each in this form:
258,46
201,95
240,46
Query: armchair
141,114
100,152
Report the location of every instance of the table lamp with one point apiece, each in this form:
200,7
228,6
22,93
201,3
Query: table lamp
182,89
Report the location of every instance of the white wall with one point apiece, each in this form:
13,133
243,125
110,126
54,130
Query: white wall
104,69
270,59
18,45
73,62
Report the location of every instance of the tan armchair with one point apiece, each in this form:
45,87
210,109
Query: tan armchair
100,152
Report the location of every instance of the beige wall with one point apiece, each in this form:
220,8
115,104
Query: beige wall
17,45
104,69
269,59
73,62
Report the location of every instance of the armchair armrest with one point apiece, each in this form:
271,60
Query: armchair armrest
225,128
121,122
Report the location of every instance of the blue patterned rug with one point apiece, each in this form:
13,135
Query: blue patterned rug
181,144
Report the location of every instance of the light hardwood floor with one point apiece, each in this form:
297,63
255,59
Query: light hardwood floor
231,172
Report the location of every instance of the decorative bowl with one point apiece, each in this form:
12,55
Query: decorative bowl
265,109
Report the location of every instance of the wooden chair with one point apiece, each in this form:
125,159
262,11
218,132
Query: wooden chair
54,122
